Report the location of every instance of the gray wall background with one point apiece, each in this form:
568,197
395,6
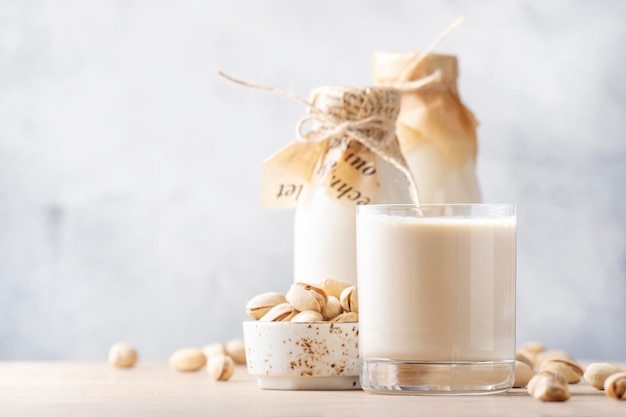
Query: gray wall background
130,174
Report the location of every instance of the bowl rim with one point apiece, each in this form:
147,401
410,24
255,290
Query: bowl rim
290,323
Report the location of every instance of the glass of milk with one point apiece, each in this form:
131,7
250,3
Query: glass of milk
436,298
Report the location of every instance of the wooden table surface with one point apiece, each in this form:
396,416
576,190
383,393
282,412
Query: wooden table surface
96,389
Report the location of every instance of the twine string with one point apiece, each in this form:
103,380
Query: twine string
404,84
332,127
323,129
326,127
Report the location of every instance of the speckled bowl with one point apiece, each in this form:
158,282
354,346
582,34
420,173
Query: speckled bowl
303,356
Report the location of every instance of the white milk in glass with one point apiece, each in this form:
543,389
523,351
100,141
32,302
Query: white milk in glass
437,283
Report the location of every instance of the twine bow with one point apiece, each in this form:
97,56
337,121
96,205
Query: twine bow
326,127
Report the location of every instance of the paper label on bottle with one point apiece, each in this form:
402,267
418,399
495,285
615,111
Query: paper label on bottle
345,167
286,173
349,173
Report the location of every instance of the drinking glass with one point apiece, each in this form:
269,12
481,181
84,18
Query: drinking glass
436,298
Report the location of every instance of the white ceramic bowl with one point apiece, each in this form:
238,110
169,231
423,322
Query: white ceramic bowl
303,356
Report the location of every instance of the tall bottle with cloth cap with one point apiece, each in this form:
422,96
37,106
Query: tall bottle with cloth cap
437,133
350,155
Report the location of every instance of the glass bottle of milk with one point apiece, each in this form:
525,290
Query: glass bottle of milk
349,156
437,133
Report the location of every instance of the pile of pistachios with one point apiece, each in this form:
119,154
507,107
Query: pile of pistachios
219,358
548,373
331,300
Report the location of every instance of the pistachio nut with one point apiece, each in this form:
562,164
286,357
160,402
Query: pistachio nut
523,374
348,316
615,386
317,291
332,308
302,299
122,355
280,312
532,347
334,287
548,386
213,349
523,357
307,316
187,359
547,355
531,350
236,349
349,299
259,305
571,371
597,373
221,367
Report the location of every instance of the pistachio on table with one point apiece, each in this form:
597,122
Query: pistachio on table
523,357
213,349
122,355
571,371
597,373
187,359
523,374
548,386
236,349
615,386
528,352
551,354
221,368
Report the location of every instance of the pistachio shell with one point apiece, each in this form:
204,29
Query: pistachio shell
334,287
332,308
548,386
307,316
615,386
347,317
302,300
523,357
523,374
571,371
259,305
549,355
532,347
122,355
213,349
318,291
187,359
236,349
597,373
281,312
349,299
221,368
531,350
